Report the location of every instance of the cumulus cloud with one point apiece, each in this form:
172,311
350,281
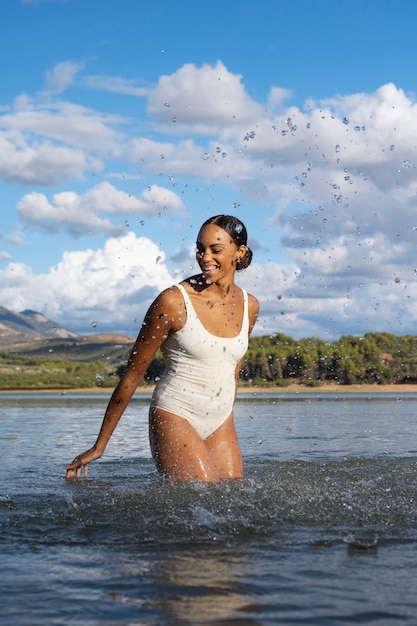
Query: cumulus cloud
334,182
81,215
41,162
109,288
48,143
202,100
64,122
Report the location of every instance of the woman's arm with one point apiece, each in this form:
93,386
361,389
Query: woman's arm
165,315
253,310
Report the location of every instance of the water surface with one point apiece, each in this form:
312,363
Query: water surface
322,529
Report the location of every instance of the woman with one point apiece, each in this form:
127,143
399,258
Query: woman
202,327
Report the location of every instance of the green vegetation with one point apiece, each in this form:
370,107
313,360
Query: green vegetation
380,358
62,364
26,372
273,360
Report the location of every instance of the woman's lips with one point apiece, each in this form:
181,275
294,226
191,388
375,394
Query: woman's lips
208,270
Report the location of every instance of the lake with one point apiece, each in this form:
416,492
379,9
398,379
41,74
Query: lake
322,529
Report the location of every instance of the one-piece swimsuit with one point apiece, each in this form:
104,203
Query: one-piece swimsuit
199,383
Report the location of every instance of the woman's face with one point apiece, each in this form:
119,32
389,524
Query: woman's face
216,253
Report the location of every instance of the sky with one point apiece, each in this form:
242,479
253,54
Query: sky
125,125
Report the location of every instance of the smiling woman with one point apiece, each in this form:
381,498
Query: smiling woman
202,326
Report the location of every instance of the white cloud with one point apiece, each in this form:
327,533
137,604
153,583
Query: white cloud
335,181
62,76
5,256
202,100
276,98
41,163
111,287
64,122
115,84
82,214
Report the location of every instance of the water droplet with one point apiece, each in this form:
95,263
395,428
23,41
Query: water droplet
158,258
345,121
406,163
397,280
392,147
357,128
167,104
236,205
291,125
205,156
93,324
238,228
99,377
249,136
337,148
308,125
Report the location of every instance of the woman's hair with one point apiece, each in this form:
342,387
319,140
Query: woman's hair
237,230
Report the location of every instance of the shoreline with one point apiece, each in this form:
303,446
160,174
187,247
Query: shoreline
297,389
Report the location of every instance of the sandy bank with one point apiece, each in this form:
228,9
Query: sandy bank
241,390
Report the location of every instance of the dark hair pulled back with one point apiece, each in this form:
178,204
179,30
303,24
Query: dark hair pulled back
237,231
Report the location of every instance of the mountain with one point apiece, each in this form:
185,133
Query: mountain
29,325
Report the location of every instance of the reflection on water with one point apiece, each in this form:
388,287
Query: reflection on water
201,586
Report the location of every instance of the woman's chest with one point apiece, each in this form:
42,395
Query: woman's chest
222,319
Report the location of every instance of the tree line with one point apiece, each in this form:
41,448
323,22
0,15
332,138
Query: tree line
381,358
271,361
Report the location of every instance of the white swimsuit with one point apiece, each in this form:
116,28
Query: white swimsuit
198,383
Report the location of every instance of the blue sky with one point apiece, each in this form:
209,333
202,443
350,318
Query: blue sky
125,125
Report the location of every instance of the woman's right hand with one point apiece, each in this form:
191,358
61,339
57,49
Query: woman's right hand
74,469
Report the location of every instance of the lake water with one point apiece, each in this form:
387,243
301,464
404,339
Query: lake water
322,529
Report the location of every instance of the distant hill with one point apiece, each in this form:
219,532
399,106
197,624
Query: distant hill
29,325
33,335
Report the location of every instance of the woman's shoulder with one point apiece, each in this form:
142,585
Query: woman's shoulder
170,306
171,296
253,302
